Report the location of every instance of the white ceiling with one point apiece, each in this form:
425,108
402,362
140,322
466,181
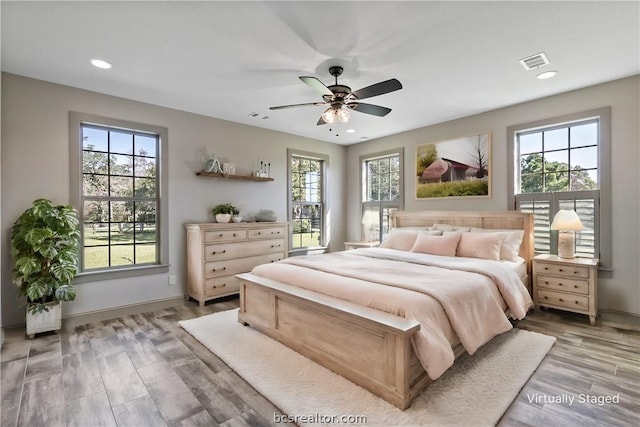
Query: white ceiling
231,59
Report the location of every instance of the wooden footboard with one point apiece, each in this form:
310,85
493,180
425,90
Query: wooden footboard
369,347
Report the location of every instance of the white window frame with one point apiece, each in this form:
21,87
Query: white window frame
76,121
602,196
385,207
324,161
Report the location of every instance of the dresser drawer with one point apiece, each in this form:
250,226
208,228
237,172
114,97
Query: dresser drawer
571,301
225,236
242,249
263,233
563,284
564,270
236,266
221,285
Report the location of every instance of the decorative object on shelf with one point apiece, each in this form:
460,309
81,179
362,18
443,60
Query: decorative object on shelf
264,171
266,215
212,165
236,218
566,222
44,244
228,169
224,211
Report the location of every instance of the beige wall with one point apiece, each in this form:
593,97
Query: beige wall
621,289
35,163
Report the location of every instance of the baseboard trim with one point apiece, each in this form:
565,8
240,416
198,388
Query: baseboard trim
74,320
619,319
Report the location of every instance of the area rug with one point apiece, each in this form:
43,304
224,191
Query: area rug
476,391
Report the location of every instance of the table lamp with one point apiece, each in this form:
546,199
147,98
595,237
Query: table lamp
567,223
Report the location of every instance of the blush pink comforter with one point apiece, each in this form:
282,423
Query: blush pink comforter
452,298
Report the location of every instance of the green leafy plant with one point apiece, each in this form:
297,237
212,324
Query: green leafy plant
225,208
44,245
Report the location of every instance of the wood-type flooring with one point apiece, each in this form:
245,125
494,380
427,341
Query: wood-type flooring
145,370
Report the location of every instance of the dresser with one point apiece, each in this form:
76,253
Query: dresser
217,252
566,284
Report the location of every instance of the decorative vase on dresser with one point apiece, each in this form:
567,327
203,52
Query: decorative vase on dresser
569,284
217,252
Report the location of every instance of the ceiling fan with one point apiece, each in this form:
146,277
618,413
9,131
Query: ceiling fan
341,99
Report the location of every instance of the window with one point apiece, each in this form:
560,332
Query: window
306,200
117,188
382,192
563,164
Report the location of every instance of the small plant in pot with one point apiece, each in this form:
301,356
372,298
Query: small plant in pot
44,245
224,211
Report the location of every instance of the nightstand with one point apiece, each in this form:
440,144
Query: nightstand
356,245
569,284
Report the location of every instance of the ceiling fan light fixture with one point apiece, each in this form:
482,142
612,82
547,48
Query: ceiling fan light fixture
336,114
343,115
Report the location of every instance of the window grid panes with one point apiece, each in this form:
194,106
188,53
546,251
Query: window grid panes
307,207
119,198
381,194
558,169
559,158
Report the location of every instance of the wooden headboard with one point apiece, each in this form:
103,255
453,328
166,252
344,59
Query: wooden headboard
512,220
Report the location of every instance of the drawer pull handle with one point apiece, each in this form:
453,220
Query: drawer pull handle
559,284
259,232
223,268
575,286
234,234
220,286
560,270
560,299
575,272
546,282
576,302
546,297
214,252
546,268
221,235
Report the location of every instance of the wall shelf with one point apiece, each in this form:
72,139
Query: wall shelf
229,176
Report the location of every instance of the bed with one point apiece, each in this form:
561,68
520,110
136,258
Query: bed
381,349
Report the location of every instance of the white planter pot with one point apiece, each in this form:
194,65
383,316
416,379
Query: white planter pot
45,321
223,217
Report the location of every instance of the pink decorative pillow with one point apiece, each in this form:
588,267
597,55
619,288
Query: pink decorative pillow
511,243
400,239
480,245
436,245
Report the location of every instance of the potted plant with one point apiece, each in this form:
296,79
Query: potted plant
44,245
224,211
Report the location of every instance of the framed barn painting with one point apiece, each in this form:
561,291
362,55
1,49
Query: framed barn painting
458,167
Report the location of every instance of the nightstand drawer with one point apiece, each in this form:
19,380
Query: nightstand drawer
563,284
564,270
560,299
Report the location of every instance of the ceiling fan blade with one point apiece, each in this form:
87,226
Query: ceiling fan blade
321,121
378,89
374,110
280,107
316,85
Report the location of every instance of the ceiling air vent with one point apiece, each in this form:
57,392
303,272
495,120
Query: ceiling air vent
534,61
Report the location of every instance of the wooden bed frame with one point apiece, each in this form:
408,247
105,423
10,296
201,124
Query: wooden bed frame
369,347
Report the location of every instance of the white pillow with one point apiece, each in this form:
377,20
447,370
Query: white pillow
480,245
401,239
427,243
449,227
510,249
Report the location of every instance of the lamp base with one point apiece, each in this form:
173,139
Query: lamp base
566,245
